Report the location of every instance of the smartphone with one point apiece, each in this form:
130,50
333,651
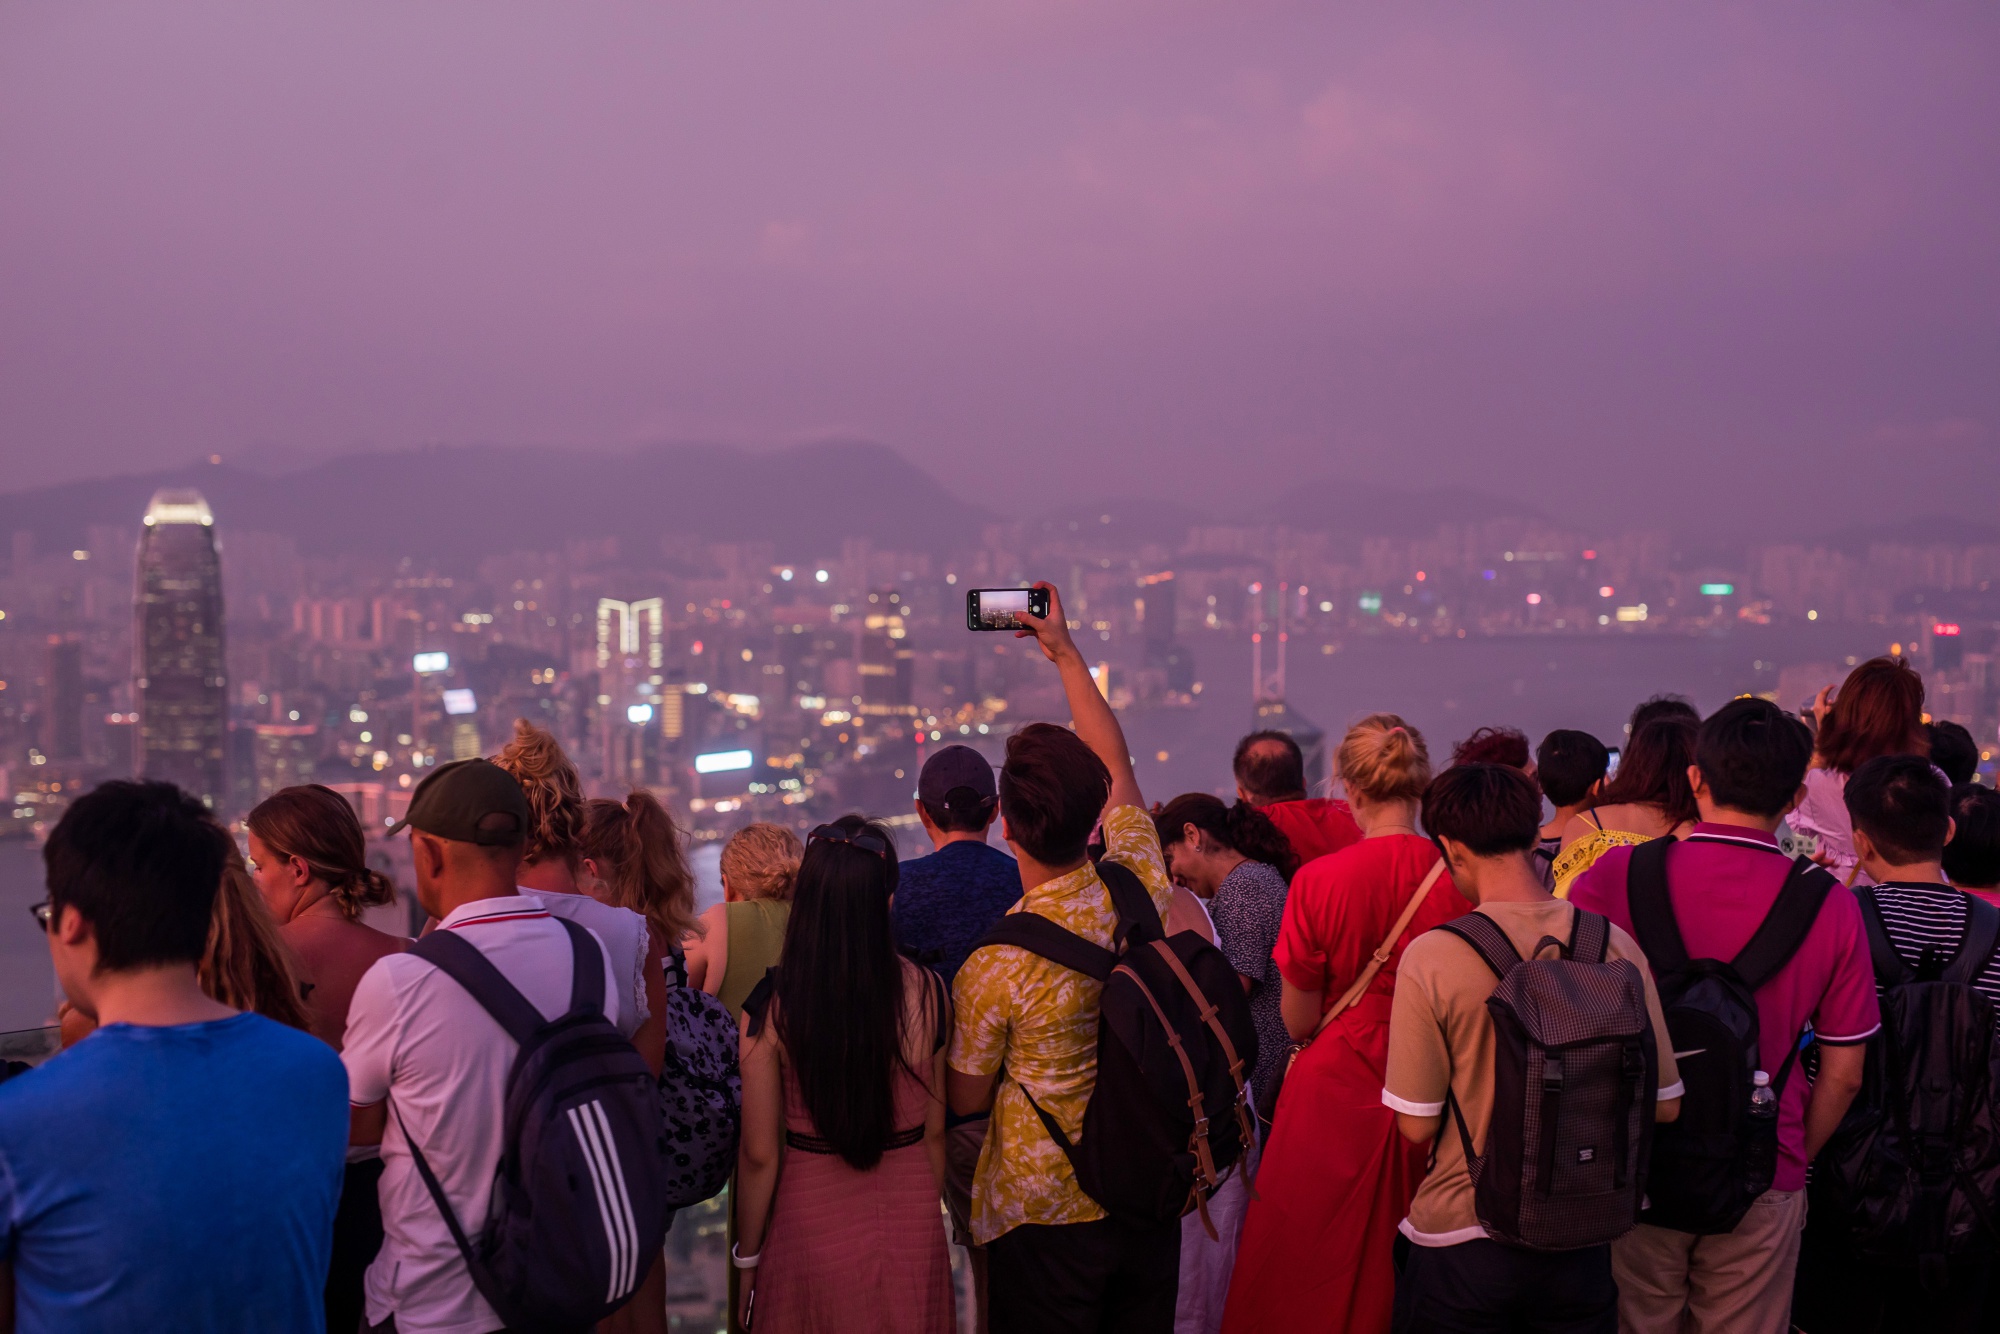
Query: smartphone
1611,768
1001,608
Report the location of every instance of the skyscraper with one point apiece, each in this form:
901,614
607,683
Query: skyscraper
181,683
62,701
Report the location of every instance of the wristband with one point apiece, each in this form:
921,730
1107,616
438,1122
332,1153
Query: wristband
742,1261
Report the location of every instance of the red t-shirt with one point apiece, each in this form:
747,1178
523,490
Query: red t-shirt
1341,906
1315,827
1723,880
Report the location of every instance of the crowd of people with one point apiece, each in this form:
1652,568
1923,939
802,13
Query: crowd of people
1473,1083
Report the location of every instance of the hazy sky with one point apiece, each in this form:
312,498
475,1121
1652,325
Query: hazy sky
1606,257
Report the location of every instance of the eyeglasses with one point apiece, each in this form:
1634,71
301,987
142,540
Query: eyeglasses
867,840
45,912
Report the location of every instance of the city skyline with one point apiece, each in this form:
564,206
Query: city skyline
738,684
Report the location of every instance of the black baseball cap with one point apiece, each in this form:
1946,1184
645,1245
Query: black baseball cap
953,768
465,802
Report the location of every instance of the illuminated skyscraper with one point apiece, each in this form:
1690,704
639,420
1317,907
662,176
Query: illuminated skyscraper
181,682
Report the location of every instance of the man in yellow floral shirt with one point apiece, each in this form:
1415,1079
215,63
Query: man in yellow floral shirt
1057,1263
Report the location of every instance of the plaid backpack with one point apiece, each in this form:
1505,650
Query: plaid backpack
1574,1077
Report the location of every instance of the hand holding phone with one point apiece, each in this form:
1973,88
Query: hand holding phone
1003,608
1049,628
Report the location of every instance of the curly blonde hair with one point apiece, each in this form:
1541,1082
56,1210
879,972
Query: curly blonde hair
1383,758
761,861
555,793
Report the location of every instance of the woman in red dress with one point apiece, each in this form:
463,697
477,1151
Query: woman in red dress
1337,1177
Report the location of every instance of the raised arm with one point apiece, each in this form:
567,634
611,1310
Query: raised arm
1090,712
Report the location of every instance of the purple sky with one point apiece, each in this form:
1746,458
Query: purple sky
1603,257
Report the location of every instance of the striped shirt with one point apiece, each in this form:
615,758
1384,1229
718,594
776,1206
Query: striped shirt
1923,920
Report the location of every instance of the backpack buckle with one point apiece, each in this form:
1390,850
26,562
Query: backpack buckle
1552,1075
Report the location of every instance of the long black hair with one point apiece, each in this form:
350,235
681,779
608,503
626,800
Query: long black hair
1241,828
1654,771
840,992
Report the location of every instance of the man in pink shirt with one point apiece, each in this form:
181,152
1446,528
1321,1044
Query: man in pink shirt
1723,881
1271,775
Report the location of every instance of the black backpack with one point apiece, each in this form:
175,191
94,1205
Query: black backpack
1913,1172
1713,1161
1175,1044
1575,1073
701,1095
579,1212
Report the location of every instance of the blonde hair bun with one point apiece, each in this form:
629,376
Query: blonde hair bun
1382,758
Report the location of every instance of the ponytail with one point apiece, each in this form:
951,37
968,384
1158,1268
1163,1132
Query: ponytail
315,824
1241,828
637,850
1251,833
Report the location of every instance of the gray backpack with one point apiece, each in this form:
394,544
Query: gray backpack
579,1211
1574,1077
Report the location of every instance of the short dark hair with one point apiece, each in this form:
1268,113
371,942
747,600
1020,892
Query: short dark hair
1662,706
141,862
1490,808
1902,804
965,811
1972,858
1269,767
1493,745
1753,756
1954,751
1568,764
1052,789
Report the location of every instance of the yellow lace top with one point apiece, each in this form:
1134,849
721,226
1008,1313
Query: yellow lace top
1581,855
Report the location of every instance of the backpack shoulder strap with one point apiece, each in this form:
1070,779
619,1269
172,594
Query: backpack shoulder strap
1589,937
460,960
1652,908
1890,969
1982,933
1138,919
1485,936
1786,926
1038,935
586,973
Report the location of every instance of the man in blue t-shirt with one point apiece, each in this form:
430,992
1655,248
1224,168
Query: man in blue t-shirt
179,1168
945,903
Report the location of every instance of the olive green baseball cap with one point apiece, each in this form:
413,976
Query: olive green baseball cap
469,801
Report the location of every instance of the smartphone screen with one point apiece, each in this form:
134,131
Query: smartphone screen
1001,608
1611,769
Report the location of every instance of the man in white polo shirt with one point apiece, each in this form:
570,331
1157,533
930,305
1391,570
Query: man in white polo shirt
418,1043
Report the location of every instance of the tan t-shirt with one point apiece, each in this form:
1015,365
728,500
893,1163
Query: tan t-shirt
1441,1037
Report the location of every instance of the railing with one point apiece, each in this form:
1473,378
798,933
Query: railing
33,1045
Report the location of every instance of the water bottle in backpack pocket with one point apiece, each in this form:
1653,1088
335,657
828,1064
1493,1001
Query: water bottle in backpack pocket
1913,1171
1713,1161
1575,1075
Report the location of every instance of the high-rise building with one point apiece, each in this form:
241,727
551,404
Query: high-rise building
180,681
62,701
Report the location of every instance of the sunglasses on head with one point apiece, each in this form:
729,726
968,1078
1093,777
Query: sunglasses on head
865,839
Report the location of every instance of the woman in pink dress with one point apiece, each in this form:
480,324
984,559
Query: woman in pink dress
838,1225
